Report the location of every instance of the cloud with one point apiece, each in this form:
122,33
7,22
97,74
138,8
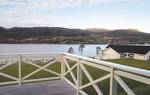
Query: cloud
26,12
13,2
66,3
27,18
23,12
53,3
42,3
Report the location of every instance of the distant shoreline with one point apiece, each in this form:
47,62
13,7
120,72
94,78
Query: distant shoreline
58,35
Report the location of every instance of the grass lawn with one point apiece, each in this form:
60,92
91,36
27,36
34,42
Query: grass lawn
132,62
138,88
27,69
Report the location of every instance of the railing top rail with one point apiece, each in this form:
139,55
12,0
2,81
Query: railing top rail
104,63
113,65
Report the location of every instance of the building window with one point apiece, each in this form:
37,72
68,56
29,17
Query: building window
127,55
123,55
130,55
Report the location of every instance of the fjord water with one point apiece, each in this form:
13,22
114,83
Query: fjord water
89,50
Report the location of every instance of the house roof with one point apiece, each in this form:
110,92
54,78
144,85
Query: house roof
139,49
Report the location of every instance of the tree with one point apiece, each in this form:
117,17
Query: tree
81,47
71,50
98,50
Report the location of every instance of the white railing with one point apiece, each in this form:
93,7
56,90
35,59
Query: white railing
115,71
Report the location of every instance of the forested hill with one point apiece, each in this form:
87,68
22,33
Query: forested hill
71,36
41,32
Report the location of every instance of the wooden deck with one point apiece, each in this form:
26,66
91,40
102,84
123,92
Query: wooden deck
56,87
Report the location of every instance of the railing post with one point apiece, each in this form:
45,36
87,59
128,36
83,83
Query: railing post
19,69
79,77
113,83
62,66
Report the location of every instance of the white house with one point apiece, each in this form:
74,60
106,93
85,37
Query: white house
141,52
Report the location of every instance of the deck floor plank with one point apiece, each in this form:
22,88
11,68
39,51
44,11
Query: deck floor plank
56,87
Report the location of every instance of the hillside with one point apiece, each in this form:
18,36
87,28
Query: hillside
122,36
74,36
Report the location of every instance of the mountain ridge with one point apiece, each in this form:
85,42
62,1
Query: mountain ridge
108,30
70,35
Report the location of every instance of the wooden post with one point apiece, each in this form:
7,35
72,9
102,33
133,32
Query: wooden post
113,83
79,77
19,69
62,66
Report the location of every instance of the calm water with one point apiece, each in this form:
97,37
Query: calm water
89,50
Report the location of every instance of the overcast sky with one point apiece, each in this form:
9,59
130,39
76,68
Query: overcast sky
110,14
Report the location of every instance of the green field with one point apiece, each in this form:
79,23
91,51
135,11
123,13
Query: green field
138,88
133,62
